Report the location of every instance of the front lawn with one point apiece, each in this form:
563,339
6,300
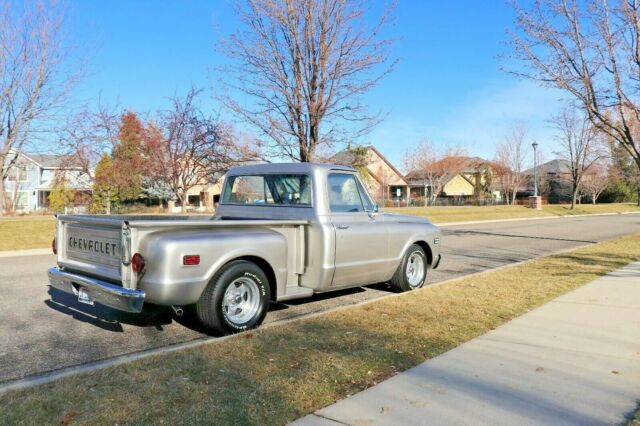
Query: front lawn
285,371
29,232
471,213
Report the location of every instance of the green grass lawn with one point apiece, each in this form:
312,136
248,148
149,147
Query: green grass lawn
470,213
28,232
279,373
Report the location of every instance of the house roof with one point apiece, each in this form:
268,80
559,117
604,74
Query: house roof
53,161
468,165
50,161
557,166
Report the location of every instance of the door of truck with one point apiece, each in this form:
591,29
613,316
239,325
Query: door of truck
362,246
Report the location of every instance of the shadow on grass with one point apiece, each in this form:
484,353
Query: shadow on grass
604,260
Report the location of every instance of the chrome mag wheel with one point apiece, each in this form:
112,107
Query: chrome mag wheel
415,270
241,300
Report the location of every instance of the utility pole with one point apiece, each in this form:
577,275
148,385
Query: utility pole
535,168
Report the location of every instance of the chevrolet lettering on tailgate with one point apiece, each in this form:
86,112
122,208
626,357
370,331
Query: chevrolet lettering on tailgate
96,246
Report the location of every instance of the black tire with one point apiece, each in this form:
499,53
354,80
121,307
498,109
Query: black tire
211,310
399,280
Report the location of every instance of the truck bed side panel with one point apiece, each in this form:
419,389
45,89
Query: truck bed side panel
167,281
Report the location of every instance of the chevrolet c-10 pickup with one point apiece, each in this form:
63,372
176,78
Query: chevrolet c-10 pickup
280,232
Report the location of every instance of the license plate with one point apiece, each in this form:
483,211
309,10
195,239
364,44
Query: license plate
83,296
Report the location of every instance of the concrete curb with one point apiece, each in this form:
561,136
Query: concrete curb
54,375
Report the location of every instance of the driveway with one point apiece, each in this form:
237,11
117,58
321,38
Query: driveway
41,332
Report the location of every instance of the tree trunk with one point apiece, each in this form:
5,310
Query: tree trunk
1,197
574,195
108,204
183,205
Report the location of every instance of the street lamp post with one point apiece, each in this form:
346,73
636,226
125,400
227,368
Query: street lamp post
535,169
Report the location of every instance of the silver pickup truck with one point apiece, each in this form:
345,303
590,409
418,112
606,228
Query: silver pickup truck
281,232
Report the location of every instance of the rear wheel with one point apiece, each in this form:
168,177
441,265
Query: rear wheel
412,271
236,299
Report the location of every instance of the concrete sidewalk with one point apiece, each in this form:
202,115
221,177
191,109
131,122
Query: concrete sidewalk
575,360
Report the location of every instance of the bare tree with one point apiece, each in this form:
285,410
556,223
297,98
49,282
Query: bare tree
87,134
510,157
434,167
580,145
301,68
595,181
186,148
591,51
33,81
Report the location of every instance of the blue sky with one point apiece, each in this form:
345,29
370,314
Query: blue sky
447,88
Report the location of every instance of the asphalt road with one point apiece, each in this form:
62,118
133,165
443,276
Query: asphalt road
42,331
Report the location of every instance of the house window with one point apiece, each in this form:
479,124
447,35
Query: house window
22,201
17,174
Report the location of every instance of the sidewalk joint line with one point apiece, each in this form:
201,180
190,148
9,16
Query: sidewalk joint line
595,304
534,345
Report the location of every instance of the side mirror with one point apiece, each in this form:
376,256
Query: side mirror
374,211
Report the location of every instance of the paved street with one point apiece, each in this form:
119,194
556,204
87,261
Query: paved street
38,334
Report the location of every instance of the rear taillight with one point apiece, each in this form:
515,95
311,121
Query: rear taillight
137,263
54,246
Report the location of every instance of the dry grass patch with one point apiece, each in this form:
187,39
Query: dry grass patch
18,233
279,373
469,213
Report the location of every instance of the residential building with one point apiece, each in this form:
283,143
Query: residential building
466,177
385,183
204,197
554,181
32,177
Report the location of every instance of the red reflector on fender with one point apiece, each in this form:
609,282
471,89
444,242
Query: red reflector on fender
191,260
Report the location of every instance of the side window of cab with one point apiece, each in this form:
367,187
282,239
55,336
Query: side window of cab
344,195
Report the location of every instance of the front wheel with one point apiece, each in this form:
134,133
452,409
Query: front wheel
236,299
412,271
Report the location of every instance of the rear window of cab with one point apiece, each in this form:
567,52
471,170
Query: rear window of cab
268,189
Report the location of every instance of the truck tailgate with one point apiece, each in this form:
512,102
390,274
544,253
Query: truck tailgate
90,245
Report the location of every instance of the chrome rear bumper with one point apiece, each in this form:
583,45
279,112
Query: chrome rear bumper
105,293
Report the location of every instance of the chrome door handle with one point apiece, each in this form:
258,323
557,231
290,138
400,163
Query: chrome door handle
342,226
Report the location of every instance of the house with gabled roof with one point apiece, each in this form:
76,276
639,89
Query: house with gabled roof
32,177
468,177
384,181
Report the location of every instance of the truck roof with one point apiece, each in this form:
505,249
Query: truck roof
286,168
